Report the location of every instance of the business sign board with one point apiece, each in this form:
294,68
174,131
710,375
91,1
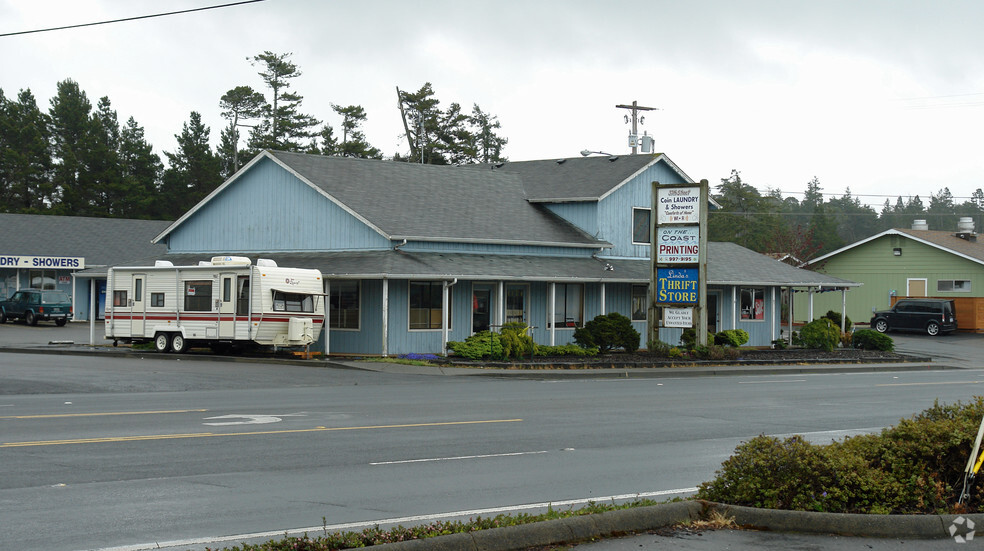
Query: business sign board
678,317
62,262
677,244
677,286
678,205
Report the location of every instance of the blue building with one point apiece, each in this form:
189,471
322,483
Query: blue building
416,255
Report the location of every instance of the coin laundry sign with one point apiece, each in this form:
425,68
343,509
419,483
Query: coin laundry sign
678,205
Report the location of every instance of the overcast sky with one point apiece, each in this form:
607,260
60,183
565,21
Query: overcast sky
883,97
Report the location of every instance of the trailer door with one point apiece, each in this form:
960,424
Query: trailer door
227,307
138,307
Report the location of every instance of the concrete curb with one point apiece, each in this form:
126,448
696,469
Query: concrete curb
640,519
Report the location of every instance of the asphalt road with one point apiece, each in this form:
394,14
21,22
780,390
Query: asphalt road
100,452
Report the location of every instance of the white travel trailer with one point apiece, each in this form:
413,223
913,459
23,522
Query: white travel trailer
222,303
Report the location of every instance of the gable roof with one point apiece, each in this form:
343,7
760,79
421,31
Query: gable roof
425,202
101,241
578,179
943,240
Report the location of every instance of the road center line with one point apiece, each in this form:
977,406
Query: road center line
396,521
776,381
138,438
103,414
510,454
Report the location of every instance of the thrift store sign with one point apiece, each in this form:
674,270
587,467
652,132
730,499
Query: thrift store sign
677,285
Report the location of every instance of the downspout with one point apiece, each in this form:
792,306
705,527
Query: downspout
445,314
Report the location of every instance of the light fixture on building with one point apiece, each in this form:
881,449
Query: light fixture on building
897,251
586,152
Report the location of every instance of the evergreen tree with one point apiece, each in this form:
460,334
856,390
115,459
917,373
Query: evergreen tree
239,104
455,143
25,156
941,214
140,169
194,170
744,218
70,128
488,144
284,126
354,142
101,181
421,114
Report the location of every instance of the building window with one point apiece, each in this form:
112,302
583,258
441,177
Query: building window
426,298
953,285
640,226
292,302
198,296
119,298
43,279
516,304
569,304
640,302
157,300
344,304
752,303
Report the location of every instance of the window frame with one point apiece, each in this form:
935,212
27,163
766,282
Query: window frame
154,302
119,298
644,296
293,303
574,324
649,225
753,314
439,285
335,310
965,286
196,298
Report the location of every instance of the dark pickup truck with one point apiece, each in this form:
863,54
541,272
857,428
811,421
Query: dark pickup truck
32,305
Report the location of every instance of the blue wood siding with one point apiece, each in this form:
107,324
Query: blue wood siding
484,248
270,210
582,214
615,211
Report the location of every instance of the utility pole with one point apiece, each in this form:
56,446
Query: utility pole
635,108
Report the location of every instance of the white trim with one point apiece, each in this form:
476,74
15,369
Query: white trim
908,282
648,229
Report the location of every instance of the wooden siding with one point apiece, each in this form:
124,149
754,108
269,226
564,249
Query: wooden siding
268,209
484,248
615,211
875,265
583,214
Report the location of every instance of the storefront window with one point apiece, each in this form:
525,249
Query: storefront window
752,303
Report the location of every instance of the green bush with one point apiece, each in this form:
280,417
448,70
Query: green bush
835,317
483,344
607,332
868,339
565,350
820,333
659,348
716,352
731,337
914,467
689,338
516,342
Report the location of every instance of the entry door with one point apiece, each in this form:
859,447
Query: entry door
138,309
481,309
227,307
713,312
916,287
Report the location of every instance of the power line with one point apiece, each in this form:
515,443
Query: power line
131,18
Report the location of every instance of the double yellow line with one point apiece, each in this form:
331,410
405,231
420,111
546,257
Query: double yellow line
141,438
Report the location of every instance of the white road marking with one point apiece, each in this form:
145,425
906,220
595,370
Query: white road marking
393,521
776,381
510,454
249,420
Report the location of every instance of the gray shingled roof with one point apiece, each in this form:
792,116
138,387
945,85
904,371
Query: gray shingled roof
728,264
436,203
101,241
575,178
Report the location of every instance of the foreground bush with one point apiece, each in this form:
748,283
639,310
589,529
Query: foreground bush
731,337
607,332
869,339
913,467
821,334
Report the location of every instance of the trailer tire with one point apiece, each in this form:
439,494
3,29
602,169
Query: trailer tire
178,343
162,342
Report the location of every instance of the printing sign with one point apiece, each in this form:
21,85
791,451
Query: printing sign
678,317
677,244
678,205
676,286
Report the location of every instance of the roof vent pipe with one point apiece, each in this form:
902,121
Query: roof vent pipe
920,224
965,225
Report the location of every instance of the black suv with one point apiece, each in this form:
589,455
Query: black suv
934,316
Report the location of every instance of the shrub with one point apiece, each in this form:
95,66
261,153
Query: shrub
835,317
659,348
731,337
565,350
483,344
914,467
689,338
868,339
820,333
516,342
608,331
716,352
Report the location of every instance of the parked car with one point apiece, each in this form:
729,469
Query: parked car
32,305
934,316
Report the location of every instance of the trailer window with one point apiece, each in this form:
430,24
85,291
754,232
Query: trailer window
198,296
292,302
119,298
157,300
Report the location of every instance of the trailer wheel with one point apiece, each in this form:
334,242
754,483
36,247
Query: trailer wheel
178,344
161,342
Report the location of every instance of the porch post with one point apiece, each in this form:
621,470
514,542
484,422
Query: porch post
734,302
500,309
809,311
774,322
327,325
93,306
790,320
603,312
444,317
553,313
843,309
385,351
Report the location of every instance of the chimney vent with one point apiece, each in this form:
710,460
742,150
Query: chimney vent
920,225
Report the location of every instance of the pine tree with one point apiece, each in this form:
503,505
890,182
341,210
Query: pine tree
140,169
284,127
353,142
488,144
193,172
25,156
70,127
240,104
